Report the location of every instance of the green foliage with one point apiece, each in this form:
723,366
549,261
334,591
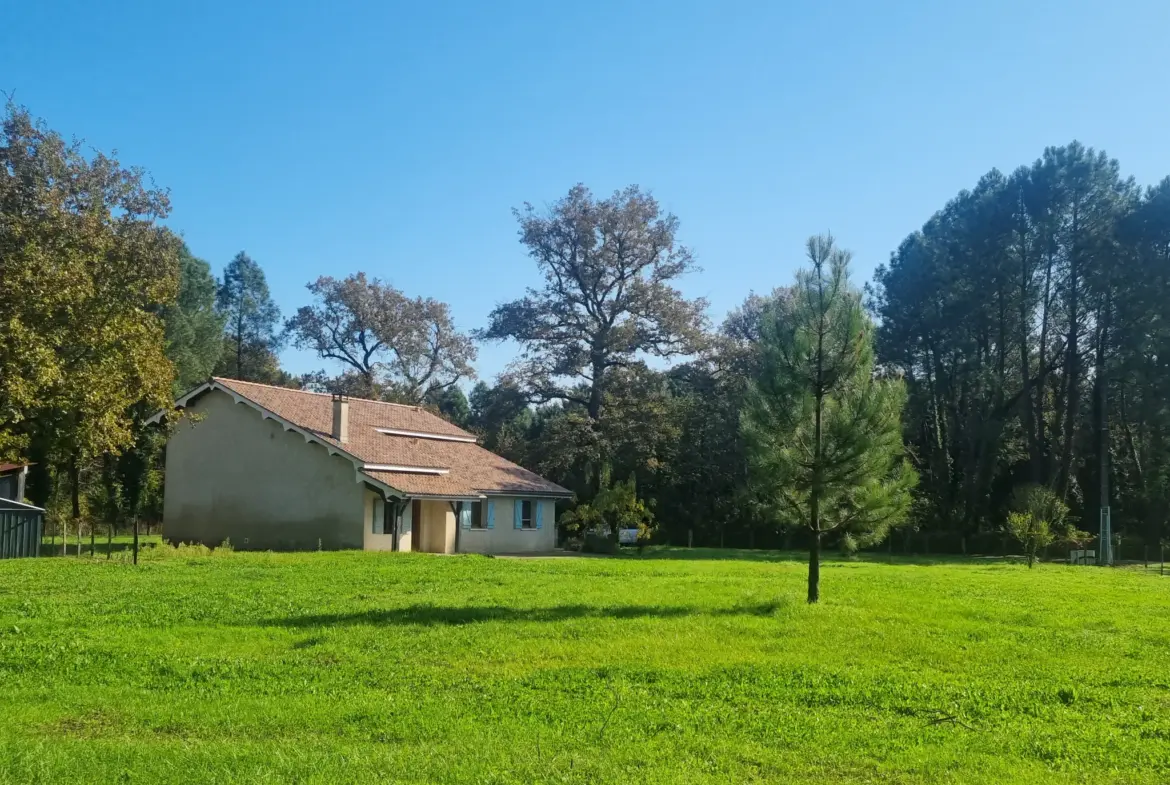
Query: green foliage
85,266
823,432
1012,314
685,666
1036,517
616,506
452,404
193,327
251,319
600,543
608,300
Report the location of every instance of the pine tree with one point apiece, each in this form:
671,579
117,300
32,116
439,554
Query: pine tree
251,337
823,431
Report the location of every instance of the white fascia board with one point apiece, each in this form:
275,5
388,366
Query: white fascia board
389,467
439,437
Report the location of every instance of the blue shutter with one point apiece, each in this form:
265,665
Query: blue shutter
465,515
517,510
537,512
491,513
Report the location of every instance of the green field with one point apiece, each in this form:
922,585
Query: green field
361,667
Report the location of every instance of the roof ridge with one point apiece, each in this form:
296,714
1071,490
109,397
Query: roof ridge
416,407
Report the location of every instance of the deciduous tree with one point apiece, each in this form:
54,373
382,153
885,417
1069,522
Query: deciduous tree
608,298
85,269
390,345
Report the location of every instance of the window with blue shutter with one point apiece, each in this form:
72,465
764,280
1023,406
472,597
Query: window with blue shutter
491,514
539,512
517,508
465,515
379,516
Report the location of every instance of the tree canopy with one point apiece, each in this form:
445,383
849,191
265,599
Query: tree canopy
85,267
389,345
609,266
824,432
251,321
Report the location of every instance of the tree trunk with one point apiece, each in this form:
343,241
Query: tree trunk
135,539
1040,470
814,569
1072,369
240,344
75,497
1105,552
110,540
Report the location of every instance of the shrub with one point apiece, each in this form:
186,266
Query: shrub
616,506
1037,514
596,542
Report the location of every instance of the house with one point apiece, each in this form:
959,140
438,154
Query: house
12,480
273,468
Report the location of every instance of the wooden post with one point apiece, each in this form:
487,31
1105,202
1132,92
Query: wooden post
690,538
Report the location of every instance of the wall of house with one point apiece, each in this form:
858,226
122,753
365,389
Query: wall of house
233,475
384,542
504,537
437,531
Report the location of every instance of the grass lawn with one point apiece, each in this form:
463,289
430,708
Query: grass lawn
364,667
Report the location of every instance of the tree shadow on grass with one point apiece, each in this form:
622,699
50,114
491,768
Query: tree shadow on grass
434,615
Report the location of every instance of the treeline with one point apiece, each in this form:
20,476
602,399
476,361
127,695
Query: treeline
1030,318
1022,333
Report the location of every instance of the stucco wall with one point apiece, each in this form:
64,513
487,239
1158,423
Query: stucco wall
384,542
437,533
232,474
504,538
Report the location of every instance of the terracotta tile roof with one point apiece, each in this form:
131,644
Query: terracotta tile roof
10,467
471,469
423,484
314,411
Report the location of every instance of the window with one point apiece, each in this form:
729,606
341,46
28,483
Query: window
526,519
379,517
478,521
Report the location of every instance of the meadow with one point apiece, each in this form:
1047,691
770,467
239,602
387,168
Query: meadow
673,667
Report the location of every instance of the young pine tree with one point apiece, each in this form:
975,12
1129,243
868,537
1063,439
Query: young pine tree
824,433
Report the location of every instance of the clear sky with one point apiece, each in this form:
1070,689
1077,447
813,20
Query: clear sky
327,138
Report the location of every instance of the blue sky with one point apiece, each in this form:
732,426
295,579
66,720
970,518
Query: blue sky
327,138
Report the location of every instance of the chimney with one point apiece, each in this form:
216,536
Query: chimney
340,417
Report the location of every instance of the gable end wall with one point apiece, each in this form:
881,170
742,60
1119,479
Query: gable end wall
231,474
